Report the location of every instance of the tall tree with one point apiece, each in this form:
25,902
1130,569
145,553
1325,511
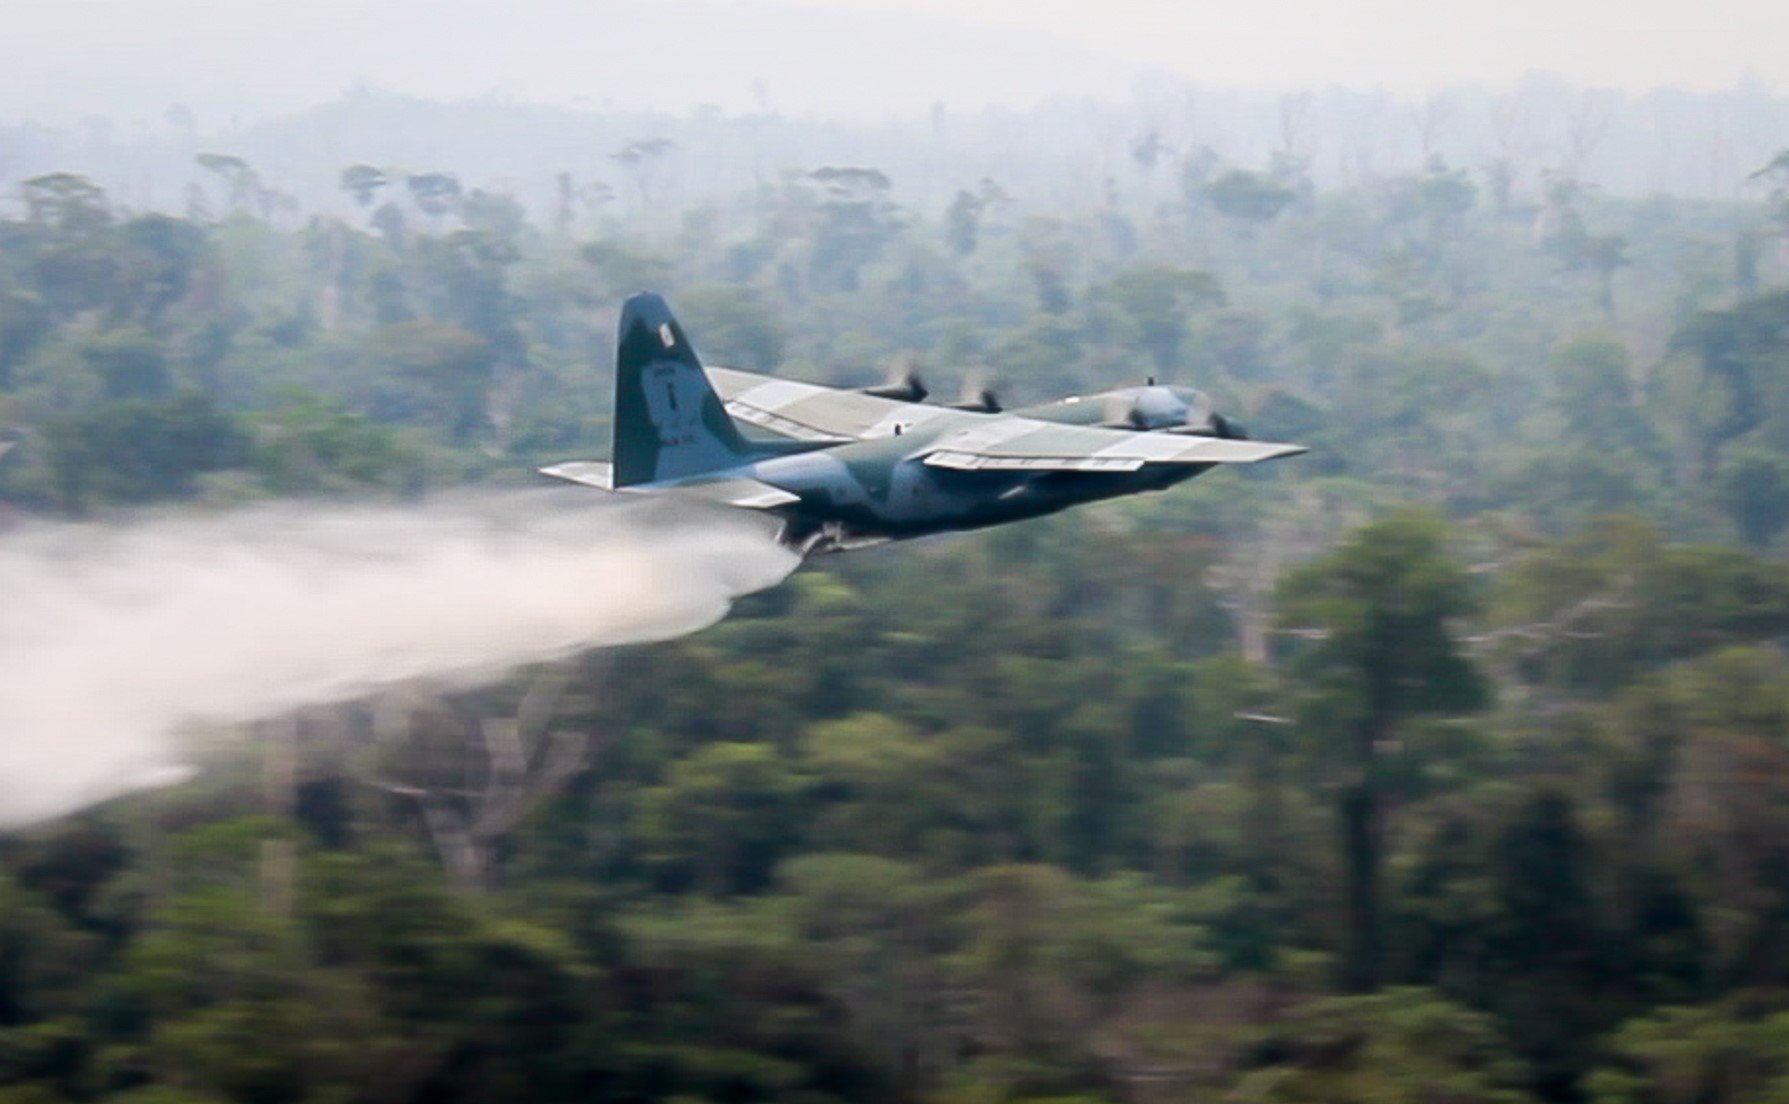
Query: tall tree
67,201
1379,649
1158,300
363,182
243,190
1249,197
856,220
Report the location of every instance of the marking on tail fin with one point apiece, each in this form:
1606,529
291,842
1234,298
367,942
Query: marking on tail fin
669,423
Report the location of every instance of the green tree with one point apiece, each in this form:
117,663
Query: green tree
158,260
130,364
640,159
1403,1046
1743,354
1158,300
962,222
172,442
882,932
1753,485
1597,396
1591,612
363,182
856,221
1545,957
1249,197
1376,617
1720,1054
68,202
42,958
449,365
871,776
310,444
625,268
721,820
738,326
242,184
434,193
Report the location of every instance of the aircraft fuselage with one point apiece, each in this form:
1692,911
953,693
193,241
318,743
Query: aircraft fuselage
881,489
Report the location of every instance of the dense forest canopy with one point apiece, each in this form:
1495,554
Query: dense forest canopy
1447,762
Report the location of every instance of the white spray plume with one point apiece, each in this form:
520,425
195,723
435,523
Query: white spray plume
112,637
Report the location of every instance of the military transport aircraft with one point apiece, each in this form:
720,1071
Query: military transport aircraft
848,468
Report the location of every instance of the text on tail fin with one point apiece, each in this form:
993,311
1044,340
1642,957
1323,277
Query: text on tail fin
669,423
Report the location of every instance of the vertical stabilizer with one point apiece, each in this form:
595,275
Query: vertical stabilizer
669,423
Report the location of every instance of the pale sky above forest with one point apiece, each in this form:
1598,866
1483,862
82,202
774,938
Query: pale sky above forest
132,59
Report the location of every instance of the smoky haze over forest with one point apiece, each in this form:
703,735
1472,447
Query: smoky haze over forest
845,58
1060,153
1048,102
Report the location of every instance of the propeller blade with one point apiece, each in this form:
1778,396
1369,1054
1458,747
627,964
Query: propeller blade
910,389
977,397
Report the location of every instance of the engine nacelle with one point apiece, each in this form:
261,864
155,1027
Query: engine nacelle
1168,410
1164,407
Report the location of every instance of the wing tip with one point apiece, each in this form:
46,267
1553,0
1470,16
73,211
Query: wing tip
1251,452
1282,451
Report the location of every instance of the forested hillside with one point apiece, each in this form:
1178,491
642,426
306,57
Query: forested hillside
1448,762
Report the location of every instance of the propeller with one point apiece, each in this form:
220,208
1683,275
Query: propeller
909,388
977,397
1202,421
1228,429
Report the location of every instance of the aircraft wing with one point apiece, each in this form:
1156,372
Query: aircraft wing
1026,444
809,412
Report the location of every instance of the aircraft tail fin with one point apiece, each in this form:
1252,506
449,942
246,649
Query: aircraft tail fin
669,423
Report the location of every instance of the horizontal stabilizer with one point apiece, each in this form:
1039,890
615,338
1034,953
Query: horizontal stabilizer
737,491
591,473
747,493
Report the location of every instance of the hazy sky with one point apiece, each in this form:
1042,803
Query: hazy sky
134,58
1409,45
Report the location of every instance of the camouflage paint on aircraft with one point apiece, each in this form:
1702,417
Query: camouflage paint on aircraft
851,467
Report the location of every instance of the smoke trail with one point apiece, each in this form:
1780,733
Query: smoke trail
111,637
